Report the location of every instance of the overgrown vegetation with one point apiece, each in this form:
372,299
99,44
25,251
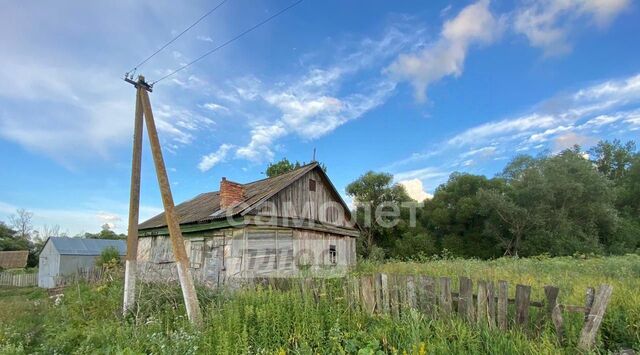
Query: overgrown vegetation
88,318
561,204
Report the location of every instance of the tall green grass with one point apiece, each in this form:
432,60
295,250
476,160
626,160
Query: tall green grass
266,321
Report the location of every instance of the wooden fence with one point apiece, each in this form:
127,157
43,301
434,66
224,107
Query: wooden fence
18,280
391,294
90,275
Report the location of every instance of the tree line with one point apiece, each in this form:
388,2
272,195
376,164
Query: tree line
557,204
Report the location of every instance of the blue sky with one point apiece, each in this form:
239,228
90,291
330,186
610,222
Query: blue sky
415,88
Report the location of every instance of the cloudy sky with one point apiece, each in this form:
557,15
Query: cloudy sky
415,88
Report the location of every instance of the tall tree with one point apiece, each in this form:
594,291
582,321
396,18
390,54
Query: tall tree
370,192
22,223
613,159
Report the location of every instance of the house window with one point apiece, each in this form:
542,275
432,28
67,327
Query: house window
195,259
333,255
312,185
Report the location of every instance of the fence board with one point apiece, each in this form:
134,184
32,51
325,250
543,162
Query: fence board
503,303
491,305
368,293
384,293
482,302
394,301
523,295
588,301
445,295
427,294
412,301
591,326
555,311
465,299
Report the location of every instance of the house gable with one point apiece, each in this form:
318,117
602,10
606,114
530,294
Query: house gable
310,197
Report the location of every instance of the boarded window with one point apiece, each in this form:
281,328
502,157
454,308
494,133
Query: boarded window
261,251
269,250
312,185
333,255
195,258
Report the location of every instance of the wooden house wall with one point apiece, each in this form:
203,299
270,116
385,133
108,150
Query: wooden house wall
297,201
216,256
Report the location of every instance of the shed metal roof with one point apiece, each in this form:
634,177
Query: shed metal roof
82,246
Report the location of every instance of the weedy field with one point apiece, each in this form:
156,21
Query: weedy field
87,319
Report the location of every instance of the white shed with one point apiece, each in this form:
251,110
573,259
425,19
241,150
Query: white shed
63,256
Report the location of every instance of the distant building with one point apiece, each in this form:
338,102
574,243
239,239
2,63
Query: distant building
13,259
63,256
275,226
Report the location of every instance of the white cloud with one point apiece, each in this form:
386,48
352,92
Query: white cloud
475,24
204,38
599,110
316,103
415,190
421,174
215,107
209,161
568,140
547,24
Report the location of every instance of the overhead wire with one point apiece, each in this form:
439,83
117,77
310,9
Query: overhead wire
242,34
178,36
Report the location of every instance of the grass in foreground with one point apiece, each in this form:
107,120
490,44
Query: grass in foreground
88,319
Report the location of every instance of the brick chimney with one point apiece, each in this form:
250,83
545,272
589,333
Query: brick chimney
230,193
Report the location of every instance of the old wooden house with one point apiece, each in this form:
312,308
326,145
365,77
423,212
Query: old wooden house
276,226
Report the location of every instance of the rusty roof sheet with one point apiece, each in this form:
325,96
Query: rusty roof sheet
206,206
13,259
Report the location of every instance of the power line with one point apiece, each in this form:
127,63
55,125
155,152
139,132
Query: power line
230,41
178,36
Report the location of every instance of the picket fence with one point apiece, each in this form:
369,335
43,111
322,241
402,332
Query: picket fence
18,280
392,294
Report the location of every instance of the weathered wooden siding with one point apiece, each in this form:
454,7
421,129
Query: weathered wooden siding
297,201
220,255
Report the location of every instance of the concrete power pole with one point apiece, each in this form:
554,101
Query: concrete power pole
131,262
177,241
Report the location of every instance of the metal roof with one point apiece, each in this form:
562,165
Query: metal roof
82,246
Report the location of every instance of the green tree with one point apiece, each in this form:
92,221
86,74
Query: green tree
457,218
105,233
285,166
569,204
613,159
370,192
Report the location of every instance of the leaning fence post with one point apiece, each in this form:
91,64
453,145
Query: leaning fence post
591,326
445,295
555,311
503,302
465,299
523,293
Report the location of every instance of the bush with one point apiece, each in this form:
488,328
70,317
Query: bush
109,256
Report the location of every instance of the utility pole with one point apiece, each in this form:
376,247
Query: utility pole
131,262
177,241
